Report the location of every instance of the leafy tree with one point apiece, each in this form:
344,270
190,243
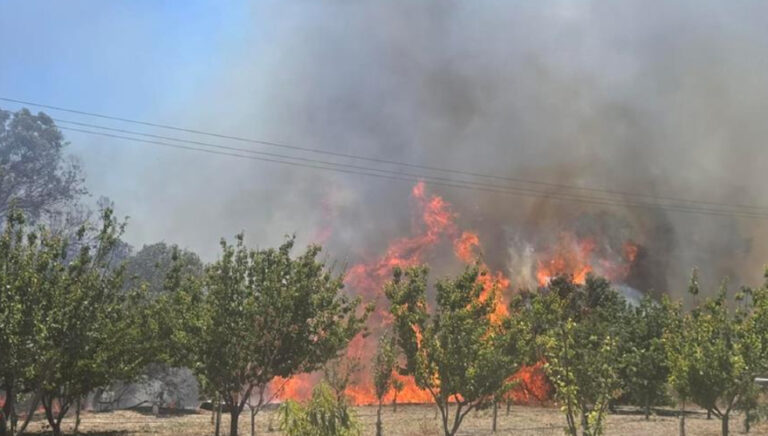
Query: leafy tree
35,175
27,257
91,332
578,331
383,367
78,330
644,367
716,352
455,353
263,315
324,415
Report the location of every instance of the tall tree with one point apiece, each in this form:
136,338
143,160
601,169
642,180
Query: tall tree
579,332
28,256
266,314
91,330
383,367
35,175
644,366
716,352
455,353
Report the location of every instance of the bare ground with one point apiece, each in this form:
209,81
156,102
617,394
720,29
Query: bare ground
413,420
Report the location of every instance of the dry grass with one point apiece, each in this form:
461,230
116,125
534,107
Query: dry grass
416,420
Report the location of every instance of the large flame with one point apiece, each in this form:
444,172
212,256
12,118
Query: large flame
577,257
435,223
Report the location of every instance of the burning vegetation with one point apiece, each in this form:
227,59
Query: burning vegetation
435,226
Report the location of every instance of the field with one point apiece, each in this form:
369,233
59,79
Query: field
414,420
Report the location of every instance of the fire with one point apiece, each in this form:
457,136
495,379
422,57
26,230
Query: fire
578,257
435,223
467,248
532,386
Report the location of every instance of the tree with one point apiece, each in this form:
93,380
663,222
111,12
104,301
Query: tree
27,257
578,330
644,367
263,315
716,352
35,176
91,331
456,352
383,367
338,373
78,329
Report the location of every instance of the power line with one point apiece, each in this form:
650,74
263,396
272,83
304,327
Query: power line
388,161
357,167
401,176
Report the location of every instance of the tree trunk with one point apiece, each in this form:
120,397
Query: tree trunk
379,431
724,426
253,423
681,420
218,418
234,414
709,413
394,403
77,416
647,409
584,424
495,413
509,406
56,429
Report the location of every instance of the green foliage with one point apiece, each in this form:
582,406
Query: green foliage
457,352
715,351
263,314
644,366
79,329
384,365
577,329
324,415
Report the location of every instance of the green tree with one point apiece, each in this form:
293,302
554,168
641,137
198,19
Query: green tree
91,331
457,352
35,175
383,367
578,330
263,315
28,256
715,351
644,367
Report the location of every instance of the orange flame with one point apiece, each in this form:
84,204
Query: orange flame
532,386
435,222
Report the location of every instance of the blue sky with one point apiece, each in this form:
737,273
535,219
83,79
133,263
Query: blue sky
133,58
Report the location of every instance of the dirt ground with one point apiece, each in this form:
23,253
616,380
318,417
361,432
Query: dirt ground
413,420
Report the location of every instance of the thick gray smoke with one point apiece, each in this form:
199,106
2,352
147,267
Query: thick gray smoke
659,98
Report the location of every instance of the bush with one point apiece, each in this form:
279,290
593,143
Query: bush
324,415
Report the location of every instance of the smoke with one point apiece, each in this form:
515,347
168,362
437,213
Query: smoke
659,98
